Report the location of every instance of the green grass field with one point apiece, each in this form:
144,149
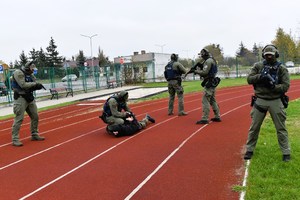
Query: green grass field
270,177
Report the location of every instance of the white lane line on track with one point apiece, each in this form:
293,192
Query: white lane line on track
89,104
171,155
54,129
90,160
243,193
48,118
48,149
111,148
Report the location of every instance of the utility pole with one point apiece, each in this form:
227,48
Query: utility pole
161,46
90,37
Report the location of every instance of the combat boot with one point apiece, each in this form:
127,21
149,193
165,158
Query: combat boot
216,119
182,113
36,137
286,158
17,143
202,121
150,118
248,155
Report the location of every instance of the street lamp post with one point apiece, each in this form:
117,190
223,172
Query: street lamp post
161,46
90,46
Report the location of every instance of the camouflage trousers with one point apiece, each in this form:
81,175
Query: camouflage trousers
174,87
278,115
19,108
209,99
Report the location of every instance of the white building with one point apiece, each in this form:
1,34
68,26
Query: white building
147,66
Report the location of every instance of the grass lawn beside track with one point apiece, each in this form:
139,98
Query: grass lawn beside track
270,177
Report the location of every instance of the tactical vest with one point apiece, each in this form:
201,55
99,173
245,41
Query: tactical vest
170,73
273,71
106,108
16,87
213,70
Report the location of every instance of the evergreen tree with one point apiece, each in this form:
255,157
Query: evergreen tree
33,55
53,57
80,59
23,59
242,51
41,59
102,59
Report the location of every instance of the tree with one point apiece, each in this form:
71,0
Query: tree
242,51
23,59
33,55
41,59
80,59
103,61
255,51
54,59
285,45
217,52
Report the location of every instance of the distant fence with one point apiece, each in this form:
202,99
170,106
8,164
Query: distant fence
97,78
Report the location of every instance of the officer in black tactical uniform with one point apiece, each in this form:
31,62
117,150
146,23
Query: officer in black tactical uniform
271,81
207,69
131,126
23,85
173,72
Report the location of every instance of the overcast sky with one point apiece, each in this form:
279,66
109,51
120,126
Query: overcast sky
125,26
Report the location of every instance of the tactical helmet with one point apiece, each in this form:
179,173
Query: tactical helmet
28,64
123,95
174,57
270,49
204,53
29,67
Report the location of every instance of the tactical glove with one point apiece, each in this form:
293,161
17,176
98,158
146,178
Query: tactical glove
39,86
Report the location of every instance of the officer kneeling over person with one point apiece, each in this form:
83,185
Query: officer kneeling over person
121,121
23,83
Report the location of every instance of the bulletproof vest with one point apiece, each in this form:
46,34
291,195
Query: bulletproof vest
106,108
273,70
170,73
15,85
213,70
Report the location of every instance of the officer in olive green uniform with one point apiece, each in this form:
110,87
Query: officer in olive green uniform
207,70
23,85
271,81
173,72
116,111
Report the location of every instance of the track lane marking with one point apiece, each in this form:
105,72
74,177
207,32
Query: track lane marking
113,147
172,154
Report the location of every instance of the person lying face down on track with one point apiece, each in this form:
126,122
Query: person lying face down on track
131,126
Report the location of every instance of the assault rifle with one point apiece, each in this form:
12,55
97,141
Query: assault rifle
194,68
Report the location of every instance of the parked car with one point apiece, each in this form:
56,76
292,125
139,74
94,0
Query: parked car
3,89
70,77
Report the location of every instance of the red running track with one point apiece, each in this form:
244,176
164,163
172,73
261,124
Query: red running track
171,159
